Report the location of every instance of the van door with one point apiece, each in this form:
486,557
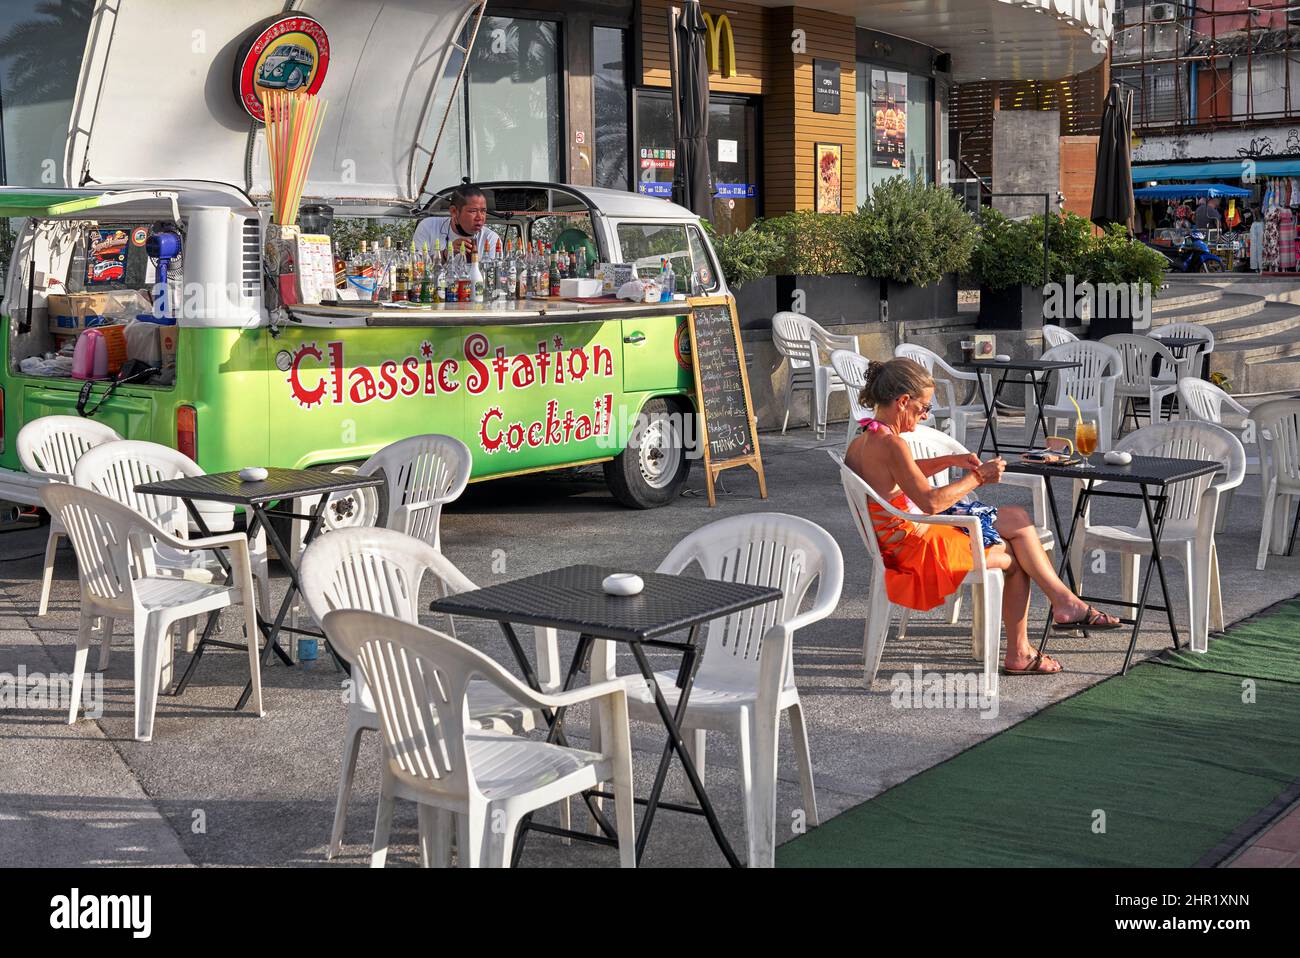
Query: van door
129,412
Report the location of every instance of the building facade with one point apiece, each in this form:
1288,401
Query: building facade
811,104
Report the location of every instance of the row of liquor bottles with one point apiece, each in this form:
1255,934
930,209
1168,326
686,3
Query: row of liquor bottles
391,274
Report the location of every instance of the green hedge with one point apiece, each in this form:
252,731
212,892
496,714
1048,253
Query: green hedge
912,233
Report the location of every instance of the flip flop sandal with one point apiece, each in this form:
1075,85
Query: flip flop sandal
1033,668
1091,620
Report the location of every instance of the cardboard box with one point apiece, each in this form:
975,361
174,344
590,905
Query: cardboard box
70,313
580,288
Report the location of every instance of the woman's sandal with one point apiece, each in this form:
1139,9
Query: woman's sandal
1092,619
1033,668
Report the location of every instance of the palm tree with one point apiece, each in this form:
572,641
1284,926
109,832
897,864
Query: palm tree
44,52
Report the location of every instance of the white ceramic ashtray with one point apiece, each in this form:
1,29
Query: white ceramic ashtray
1117,458
253,474
623,583
1002,358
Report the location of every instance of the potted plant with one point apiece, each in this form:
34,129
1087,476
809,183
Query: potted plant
815,270
1008,264
1126,274
915,239
746,258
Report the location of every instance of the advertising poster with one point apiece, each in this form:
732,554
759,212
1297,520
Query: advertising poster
829,158
106,257
888,119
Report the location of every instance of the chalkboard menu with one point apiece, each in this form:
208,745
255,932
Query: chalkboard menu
728,432
826,86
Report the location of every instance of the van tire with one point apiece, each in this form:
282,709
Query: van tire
344,514
652,469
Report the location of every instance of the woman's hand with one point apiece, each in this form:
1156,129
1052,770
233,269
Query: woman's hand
991,471
968,461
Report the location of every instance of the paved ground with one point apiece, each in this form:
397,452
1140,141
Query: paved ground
220,788
1278,846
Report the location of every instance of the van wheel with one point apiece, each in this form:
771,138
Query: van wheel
652,469
357,507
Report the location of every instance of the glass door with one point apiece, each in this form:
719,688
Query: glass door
733,154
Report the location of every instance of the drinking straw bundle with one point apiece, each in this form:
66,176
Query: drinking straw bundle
293,124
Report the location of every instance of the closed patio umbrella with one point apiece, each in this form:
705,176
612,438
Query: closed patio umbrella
692,182
1112,193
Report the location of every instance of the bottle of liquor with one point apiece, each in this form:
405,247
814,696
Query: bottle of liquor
553,263
582,261
521,271
386,270
431,289
477,281
401,277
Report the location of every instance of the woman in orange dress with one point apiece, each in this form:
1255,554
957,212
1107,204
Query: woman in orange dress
924,564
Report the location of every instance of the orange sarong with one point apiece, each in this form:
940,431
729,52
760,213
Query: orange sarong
924,564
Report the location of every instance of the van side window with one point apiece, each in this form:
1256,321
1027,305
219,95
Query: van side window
645,244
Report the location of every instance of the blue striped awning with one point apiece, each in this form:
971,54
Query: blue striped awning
1217,170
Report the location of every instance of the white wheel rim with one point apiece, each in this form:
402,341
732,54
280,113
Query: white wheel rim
658,453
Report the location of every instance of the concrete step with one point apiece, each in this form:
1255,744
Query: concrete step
1274,375
1181,295
1239,359
1226,306
1270,319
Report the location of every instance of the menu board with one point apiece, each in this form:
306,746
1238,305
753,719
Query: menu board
888,119
728,430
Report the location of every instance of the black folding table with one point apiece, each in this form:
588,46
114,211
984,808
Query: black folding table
1038,374
280,485
572,599
1153,476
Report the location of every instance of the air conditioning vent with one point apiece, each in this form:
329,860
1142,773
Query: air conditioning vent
252,259
1163,12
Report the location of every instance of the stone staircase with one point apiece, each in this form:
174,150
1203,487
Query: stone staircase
1256,326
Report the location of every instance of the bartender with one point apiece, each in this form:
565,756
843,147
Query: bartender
467,224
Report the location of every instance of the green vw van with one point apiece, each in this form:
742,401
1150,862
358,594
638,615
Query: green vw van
527,385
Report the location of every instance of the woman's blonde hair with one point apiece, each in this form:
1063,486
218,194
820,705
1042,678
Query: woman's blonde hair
898,377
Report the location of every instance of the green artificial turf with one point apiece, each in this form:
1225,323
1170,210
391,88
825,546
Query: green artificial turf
1156,768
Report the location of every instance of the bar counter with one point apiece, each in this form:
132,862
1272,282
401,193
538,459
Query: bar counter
525,312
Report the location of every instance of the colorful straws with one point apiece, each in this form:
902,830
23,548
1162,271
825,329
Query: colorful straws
293,124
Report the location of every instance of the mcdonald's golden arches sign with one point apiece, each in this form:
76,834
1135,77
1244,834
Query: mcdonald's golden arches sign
722,59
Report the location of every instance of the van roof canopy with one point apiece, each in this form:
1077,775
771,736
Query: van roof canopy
156,95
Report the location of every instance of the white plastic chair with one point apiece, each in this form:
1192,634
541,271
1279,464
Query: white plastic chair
49,448
379,570
799,340
1203,401
1149,372
1277,425
852,368
927,443
488,780
115,469
1091,385
986,584
746,676
1189,519
959,416
423,473
1057,336
111,540
1191,362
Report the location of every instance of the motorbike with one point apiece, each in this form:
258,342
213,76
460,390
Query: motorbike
1192,255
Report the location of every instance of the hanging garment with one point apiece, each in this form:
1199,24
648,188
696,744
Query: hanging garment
1268,255
1295,192
1286,239
1232,218
1256,243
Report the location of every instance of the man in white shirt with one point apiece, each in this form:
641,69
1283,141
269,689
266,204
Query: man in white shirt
466,224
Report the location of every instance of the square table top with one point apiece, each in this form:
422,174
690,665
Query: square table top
278,484
1143,470
1181,342
1022,365
572,599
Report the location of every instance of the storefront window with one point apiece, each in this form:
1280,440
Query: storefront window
609,78
733,154
895,126
514,101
